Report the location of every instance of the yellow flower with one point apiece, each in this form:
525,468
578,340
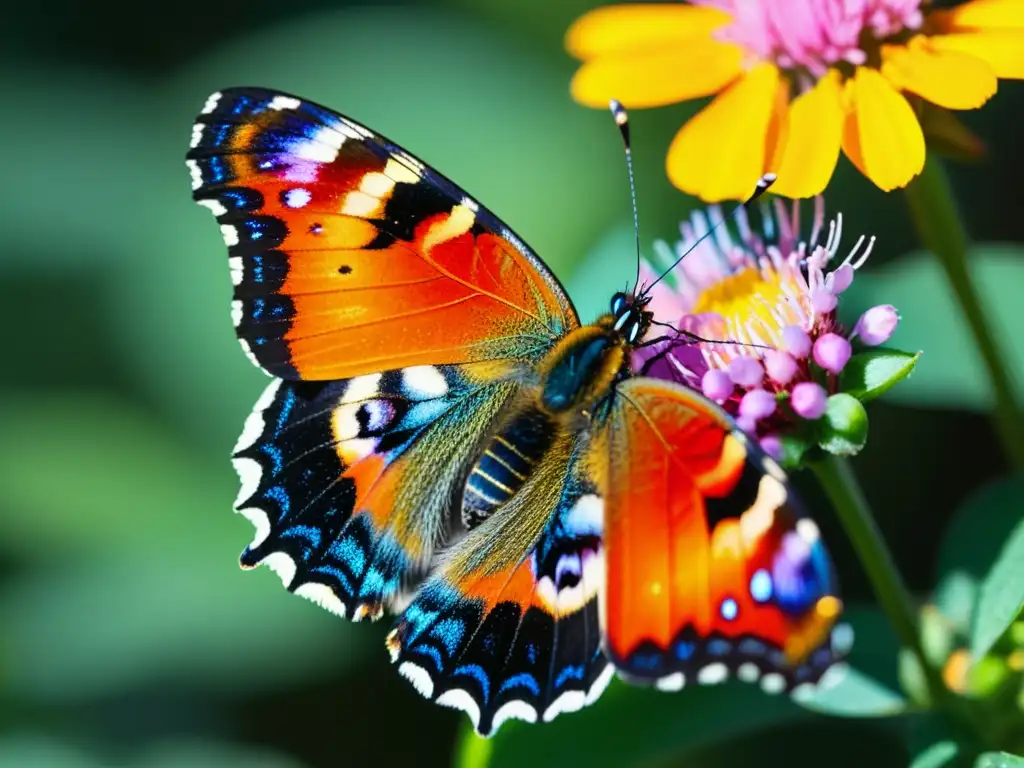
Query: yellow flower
796,81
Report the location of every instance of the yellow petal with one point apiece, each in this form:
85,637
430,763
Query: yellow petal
812,143
659,77
720,153
947,78
641,27
881,135
1003,51
981,14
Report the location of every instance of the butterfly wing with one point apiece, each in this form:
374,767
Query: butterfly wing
508,625
349,482
712,568
350,256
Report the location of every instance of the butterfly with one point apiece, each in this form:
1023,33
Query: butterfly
444,439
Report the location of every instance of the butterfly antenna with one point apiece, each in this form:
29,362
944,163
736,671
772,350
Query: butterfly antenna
762,186
622,120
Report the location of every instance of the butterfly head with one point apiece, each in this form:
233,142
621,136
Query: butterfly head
630,316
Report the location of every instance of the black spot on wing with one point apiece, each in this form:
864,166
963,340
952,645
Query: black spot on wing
412,204
740,498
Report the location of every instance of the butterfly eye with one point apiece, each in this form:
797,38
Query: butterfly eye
618,300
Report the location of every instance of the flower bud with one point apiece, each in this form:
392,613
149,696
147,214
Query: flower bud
831,352
877,325
809,400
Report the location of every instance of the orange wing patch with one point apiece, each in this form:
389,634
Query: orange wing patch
710,566
350,256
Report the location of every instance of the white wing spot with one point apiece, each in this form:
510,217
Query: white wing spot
459,699
230,234
586,515
361,388
424,382
237,270
281,564
236,313
419,678
322,595
297,198
600,684
257,517
773,683
196,172
211,103
513,710
808,530
283,102
197,135
713,674
322,148
570,701
673,682
215,206
748,672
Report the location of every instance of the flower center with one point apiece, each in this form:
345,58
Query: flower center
748,298
810,36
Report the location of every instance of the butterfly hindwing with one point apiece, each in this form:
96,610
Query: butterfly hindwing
348,482
349,255
508,626
712,569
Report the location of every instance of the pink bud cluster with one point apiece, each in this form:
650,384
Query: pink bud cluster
776,349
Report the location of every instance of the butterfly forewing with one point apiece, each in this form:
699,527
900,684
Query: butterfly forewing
350,256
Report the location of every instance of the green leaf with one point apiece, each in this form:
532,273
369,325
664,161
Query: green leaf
912,678
939,755
955,597
984,521
999,760
951,371
844,427
985,546
873,372
1002,594
856,695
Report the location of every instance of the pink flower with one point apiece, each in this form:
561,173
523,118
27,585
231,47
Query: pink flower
764,303
813,34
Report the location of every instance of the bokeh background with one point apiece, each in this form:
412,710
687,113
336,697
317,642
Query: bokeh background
128,635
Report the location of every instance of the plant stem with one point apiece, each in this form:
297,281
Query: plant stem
934,211
844,491
471,750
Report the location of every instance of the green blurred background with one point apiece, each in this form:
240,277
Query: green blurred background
128,635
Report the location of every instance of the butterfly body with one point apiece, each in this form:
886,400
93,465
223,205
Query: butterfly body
444,439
